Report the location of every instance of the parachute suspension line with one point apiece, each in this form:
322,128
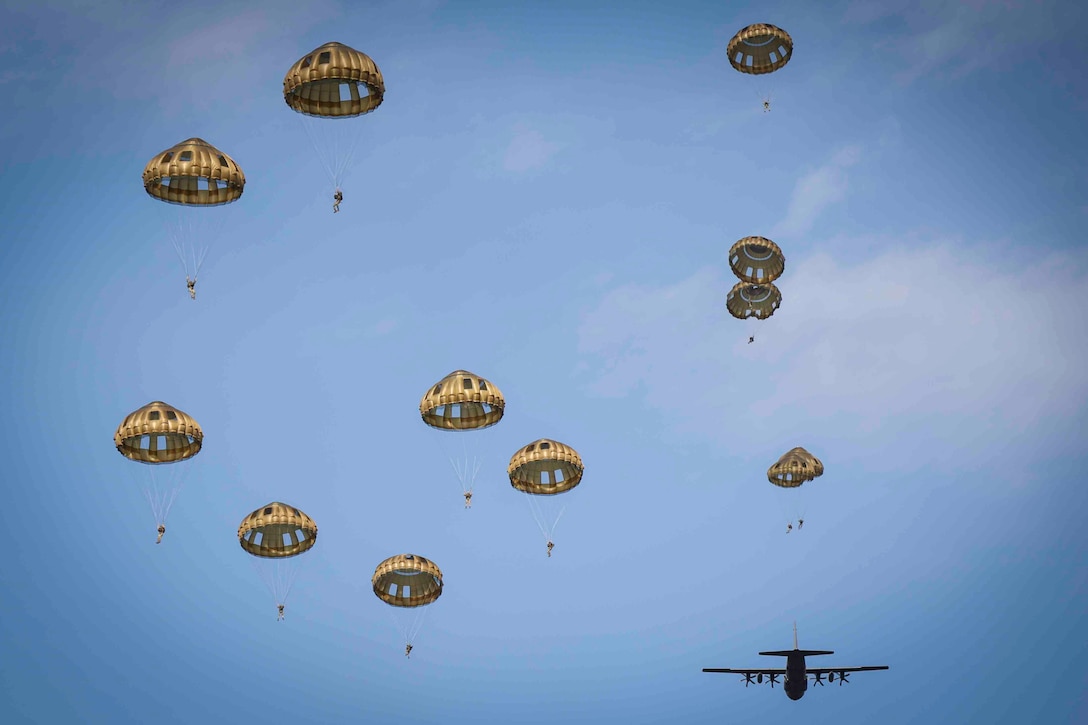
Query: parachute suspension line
278,576
319,147
162,494
417,624
346,158
541,517
334,144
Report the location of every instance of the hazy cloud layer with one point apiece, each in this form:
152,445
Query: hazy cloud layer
815,191
953,40
932,345
528,150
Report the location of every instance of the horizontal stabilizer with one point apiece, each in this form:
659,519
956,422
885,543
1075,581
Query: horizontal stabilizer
802,652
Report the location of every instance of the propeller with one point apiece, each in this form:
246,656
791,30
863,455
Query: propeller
747,678
819,678
842,678
774,679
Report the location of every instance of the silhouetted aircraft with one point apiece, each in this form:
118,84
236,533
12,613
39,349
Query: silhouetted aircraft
796,674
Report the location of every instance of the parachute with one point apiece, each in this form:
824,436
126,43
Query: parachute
757,51
275,535
757,260
193,178
330,86
747,300
542,470
408,583
462,402
164,440
795,468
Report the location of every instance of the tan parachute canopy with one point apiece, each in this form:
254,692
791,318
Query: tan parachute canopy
262,532
313,85
794,468
407,580
158,433
195,173
545,467
759,49
757,260
753,300
462,401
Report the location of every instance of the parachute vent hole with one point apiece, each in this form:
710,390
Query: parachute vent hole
300,534
530,448
437,390
346,91
164,181
220,184
287,538
467,382
168,157
161,443
545,476
201,184
559,478
406,592
171,415
222,160
392,590
455,410
145,442
258,537
268,511
306,63
545,446
296,512
324,58
483,385
186,156
773,56
153,415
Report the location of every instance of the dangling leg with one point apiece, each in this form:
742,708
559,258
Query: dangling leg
162,530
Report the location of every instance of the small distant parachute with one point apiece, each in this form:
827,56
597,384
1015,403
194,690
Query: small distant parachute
759,50
275,534
330,86
163,439
463,402
795,468
193,178
408,583
542,470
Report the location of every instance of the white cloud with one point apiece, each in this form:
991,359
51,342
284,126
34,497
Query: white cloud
527,150
929,347
815,191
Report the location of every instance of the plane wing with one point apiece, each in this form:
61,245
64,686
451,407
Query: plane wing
839,670
748,672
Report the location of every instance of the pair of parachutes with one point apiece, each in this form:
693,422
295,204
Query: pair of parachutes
468,403
327,86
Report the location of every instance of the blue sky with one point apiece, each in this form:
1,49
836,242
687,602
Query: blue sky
546,198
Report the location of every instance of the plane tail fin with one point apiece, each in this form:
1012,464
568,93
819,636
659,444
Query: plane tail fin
796,650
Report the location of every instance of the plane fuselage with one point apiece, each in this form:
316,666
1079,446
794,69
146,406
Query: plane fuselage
796,679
